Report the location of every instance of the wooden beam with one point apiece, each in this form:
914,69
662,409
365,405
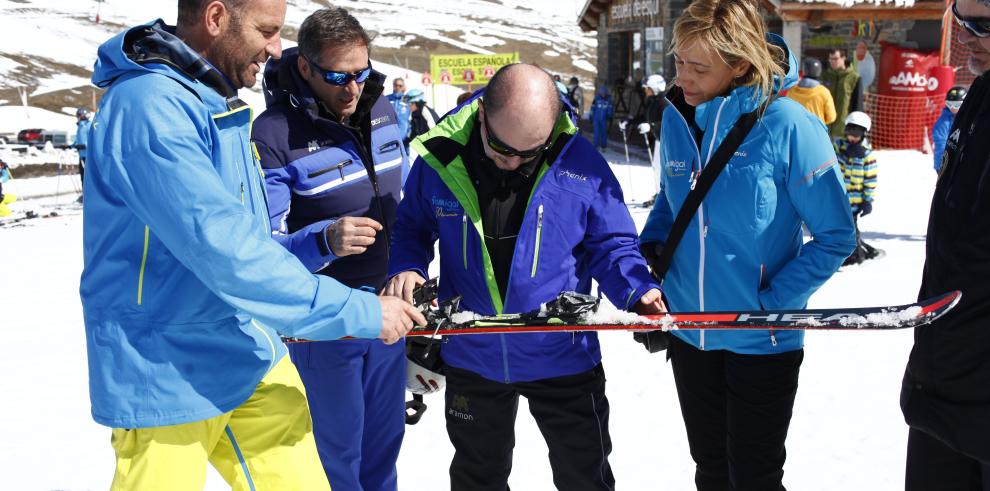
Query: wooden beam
795,6
862,14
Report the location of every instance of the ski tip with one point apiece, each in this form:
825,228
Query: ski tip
938,306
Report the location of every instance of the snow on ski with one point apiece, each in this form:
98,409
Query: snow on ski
857,318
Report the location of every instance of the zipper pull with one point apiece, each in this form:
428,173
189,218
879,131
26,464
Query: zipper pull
539,216
694,179
704,232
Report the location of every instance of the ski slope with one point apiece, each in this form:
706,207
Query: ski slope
847,431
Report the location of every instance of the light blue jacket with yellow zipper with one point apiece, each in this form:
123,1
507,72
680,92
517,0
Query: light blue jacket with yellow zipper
184,291
744,247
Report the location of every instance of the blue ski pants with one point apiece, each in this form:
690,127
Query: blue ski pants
356,391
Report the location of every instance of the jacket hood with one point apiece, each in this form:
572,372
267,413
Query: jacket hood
153,47
283,84
748,98
808,83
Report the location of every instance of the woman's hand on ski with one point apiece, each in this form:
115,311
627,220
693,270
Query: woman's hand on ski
403,284
650,303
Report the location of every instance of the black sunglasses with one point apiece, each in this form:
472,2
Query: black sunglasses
978,28
505,150
341,79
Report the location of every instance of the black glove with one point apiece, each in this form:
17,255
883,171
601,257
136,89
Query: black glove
653,341
865,208
651,253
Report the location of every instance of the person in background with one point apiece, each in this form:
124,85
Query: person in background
945,394
940,132
811,94
523,209
737,388
865,66
83,125
859,169
647,120
331,151
398,100
185,294
5,199
463,97
846,88
601,117
423,117
575,95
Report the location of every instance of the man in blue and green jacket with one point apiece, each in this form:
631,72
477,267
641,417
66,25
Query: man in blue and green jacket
184,291
333,158
516,228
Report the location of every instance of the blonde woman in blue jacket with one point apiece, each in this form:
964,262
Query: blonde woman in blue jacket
744,247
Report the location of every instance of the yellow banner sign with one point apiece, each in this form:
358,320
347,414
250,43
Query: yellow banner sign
468,69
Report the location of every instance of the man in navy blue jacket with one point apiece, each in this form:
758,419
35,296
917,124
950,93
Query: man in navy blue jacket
333,160
523,209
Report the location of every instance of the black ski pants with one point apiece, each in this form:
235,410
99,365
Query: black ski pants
933,466
571,412
737,409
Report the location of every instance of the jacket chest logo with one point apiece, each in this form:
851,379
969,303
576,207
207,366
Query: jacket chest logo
446,208
572,175
676,168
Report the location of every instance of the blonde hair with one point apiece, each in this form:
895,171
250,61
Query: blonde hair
735,30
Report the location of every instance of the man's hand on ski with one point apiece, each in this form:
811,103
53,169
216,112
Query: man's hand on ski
403,284
398,317
352,235
643,128
623,125
650,303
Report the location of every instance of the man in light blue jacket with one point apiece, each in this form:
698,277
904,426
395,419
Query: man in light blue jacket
184,291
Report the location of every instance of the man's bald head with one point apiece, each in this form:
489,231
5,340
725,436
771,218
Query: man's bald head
527,92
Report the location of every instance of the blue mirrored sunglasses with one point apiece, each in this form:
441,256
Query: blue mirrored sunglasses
341,79
978,28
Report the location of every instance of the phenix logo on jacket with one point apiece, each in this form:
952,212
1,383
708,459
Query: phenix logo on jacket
576,227
744,247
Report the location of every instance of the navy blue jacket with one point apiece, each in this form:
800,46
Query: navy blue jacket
308,160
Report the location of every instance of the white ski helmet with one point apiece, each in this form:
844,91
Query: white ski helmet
656,83
859,118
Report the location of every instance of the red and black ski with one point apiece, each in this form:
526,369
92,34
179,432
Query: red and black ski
857,318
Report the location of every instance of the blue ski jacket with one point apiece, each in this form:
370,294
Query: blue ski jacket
322,170
82,136
744,247
576,227
184,291
601,109
940,133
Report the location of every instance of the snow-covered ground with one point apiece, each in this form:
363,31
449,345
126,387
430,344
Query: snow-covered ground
847,432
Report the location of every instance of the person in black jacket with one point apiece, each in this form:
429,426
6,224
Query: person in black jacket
422,118
647,119
945,394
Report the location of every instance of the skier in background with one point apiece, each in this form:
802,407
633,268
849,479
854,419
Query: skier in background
5,199
811,94
940,132
185,293
333,161
859,169
945,394
575,95
83,125
647,119
398,100
846,87
422,118
601,117
505,185
745,249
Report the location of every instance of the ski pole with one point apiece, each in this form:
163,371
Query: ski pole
625,144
